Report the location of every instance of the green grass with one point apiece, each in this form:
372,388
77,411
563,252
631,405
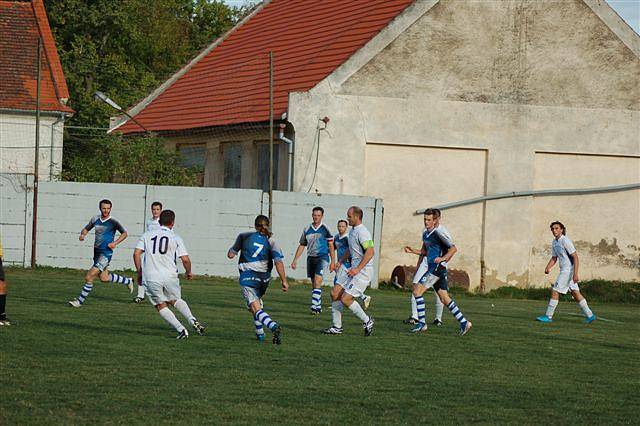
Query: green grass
115,362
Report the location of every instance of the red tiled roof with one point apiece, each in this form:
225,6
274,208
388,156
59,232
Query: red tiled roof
309,40
20,24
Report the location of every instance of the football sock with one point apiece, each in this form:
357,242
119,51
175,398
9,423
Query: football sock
183,308
169,317
115,278
439,308
85,292
336,313
266,320
316,299
420,308
258,325
359,312
140,291
585,308
3,306
551,308
456,312
414,308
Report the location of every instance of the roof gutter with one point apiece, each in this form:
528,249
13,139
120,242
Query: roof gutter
53,113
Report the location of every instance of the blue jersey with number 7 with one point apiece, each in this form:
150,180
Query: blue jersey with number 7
257,252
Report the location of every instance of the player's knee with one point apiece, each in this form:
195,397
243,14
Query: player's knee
105,277
3,287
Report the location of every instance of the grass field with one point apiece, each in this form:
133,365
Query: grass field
116,362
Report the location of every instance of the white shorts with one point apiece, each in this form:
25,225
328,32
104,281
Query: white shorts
564,282
355,286
164,291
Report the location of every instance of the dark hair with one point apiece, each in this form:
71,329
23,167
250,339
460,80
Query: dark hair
156,203
318,209
343,221
557,222
432,212
262,225
105,201
438,213
167,217
356,211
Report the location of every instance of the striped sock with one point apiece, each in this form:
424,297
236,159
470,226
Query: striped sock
85,292
421,309
258,325
316,299
115,278
456,312
266,320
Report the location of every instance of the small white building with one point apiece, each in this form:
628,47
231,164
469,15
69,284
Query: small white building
20,24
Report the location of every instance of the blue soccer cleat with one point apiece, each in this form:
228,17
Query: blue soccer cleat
260,337
544,318
419,327
590,319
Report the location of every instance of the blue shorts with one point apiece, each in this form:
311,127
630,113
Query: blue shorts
316,265
259,281
101,260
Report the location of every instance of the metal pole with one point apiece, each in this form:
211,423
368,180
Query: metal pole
34,227
271,137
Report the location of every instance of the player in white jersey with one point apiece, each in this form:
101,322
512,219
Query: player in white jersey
352,282
152,223
562,250
159,273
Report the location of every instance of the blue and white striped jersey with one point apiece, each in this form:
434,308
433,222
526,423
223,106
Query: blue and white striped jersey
257,252
342,244
316,240
436,242
105,232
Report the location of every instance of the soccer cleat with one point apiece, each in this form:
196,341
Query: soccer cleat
437,323
410,321
75,303
332,330
260,337
419,327
316,311
277,335
5,322
368,327
590,319
465,327
544,318
138,300
199,328
183,334
366,301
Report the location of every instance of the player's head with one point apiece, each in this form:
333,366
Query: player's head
317,214
167,218
262,224
557,229
431,218
105,207
354,215
342,226
156,208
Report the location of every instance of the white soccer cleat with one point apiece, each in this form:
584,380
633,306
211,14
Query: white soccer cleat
184,334
464,329
366,301
75,303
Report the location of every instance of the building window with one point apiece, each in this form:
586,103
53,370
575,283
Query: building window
263,166
193,156
232,155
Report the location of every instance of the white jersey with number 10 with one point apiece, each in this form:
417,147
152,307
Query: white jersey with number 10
162,248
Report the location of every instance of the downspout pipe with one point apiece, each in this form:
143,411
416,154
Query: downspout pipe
59,120
289,143
543,192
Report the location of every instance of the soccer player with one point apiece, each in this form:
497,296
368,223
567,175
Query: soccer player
106,227
3,293
159,273
153,223
341,244
320,252
413,318
562,249
258,253
353,281
437,250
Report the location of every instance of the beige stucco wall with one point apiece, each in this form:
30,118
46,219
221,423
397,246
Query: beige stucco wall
17,145
506,84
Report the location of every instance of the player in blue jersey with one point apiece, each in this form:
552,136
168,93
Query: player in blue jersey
258,253
563,250
153,223
341,244
318,240
105,242
437,251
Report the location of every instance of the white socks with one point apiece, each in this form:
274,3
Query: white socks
140,292
553,303
439,307
585,308
336,313
358,311
414,308
183,308
171,319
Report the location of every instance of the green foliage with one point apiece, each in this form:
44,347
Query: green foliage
139,160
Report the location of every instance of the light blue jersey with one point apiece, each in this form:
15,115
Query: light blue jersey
436,242
342,245
316,240
105,233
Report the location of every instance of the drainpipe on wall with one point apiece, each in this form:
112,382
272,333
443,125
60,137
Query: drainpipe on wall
289,143
59,120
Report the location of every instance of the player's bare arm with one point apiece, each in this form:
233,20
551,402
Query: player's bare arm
332,257
576,264
83,234
137,261
552,262
282,274
447,257
186,262
411,250
299,251
120,239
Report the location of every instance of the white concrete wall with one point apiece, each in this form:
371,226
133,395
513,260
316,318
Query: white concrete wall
208,219
17,145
